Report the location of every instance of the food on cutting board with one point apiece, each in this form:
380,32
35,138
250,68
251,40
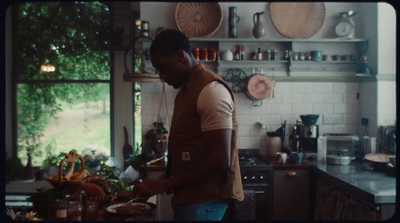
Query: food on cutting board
124,196
132,208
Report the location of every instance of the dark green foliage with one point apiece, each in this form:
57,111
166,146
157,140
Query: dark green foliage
73,37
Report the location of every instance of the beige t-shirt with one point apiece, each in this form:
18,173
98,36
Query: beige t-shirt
215,106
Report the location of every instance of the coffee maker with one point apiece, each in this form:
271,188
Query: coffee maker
305,134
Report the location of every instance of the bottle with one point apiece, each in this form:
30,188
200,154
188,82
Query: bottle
61,209
259,54
276,55
91,210
286,55
269,55
228,55
237,55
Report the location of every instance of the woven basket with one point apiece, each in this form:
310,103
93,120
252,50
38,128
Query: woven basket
198,19
297,20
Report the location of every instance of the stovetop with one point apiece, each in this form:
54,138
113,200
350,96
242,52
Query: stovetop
251,157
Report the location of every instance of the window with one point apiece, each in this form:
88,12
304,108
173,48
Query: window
63,79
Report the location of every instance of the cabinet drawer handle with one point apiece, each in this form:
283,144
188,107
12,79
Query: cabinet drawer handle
291,174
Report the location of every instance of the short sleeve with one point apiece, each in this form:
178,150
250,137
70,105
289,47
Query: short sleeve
215,107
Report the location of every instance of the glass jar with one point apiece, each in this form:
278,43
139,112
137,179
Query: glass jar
74,210
269,55
91,210
61,209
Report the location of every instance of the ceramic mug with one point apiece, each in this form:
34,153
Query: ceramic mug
296,157
280,157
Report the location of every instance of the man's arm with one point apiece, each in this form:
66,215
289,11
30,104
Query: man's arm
217,160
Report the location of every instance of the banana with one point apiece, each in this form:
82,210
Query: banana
70,171
84,173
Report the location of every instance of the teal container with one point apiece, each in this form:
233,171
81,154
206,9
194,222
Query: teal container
316,55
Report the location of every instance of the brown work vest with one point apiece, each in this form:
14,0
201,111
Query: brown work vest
186,146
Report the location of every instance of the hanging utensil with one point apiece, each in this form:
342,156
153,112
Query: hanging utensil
273,83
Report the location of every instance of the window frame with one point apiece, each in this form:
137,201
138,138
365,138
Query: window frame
15,81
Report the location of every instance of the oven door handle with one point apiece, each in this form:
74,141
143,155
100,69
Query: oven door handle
259,192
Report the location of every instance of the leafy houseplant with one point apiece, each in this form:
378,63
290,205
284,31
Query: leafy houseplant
151,147
109,174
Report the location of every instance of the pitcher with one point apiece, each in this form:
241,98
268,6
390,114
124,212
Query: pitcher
258,29
233,21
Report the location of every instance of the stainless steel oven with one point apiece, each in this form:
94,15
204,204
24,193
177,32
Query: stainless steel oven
256,173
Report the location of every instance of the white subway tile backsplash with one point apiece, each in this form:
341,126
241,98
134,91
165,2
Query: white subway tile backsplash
244,130
339,87
333,98
322,109
289,98
248,141
344,109
283,88
302,87
325,129
350,119
302,108
322,87
281,109
309,98
256,130
350,98
350,129
248,119
293,99
243,109
263,109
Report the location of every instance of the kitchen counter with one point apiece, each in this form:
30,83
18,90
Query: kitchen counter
359,179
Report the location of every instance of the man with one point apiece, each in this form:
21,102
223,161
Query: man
203,165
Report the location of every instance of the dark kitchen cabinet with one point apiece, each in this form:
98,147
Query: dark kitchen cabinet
291,194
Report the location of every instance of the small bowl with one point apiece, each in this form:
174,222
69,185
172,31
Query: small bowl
309,119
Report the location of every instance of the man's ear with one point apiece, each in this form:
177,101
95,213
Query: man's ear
181,55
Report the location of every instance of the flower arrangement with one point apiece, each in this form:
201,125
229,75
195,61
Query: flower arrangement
92,158
23,215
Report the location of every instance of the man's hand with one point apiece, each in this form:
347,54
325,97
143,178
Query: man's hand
149,187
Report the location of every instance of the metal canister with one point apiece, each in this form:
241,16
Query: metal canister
204,54
196,53
212,54
316,55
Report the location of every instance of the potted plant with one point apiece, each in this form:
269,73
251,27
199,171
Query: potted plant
161,132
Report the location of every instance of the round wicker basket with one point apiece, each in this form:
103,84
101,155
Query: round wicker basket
198,19
297,20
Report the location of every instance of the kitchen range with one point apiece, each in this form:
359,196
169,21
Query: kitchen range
256,173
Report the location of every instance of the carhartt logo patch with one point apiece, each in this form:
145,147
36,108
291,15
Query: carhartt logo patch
185,156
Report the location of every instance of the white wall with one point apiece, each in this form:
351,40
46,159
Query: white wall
291,98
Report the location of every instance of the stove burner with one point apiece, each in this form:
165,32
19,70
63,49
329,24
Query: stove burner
251,157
